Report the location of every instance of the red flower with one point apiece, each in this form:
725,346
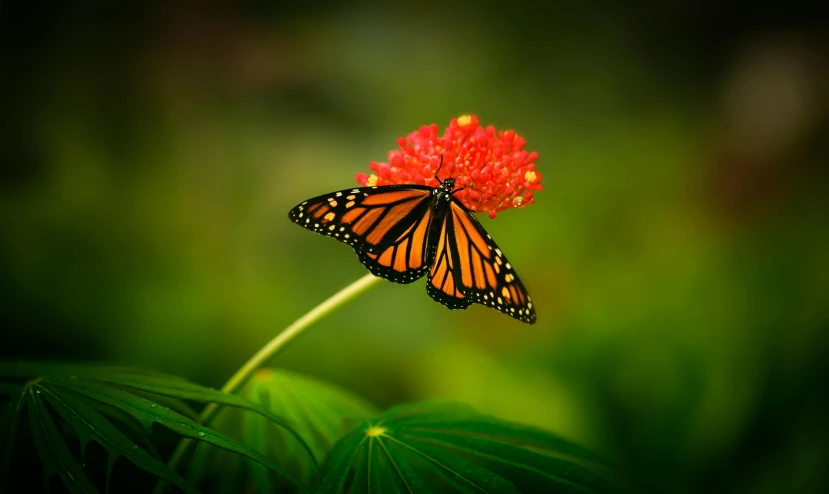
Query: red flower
493,167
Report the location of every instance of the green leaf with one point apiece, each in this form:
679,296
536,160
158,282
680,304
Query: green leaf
116,406
320,412
255,434
199,462
339,467
526,436
148,412
169,389
438,462
167,386
172,403
225,471
129,424
57,460
91,425
562,471
9,421
439,447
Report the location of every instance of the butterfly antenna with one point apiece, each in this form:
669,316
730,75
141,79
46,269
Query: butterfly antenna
439,167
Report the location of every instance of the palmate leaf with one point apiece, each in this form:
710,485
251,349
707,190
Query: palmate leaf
451,448
321,413
90,425
148,413
52,447
79,395
146,381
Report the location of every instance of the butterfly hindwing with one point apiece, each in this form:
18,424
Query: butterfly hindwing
401,257
386,226
470,268
442,284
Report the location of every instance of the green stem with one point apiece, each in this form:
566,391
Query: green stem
272,348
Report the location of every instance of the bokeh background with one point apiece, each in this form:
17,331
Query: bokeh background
678,255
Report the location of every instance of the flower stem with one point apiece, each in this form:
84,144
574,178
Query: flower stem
272,348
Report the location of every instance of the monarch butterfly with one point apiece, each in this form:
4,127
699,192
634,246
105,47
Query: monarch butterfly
401,232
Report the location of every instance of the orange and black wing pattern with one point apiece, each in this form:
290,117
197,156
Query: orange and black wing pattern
387,226
469,268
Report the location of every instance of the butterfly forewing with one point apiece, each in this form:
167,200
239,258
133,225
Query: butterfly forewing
386,226
470,268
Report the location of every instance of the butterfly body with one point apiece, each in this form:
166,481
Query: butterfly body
403,232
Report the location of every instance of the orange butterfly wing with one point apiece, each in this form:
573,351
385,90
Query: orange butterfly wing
470,268
401,232
387,226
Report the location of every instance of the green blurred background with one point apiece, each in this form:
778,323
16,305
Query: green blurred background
678,255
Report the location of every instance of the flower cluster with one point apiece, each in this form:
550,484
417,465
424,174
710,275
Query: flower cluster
493,168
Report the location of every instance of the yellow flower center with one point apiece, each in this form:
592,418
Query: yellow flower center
371,181
464,120
375,431
530,176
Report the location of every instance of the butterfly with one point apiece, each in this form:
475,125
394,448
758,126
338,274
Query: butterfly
402,232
